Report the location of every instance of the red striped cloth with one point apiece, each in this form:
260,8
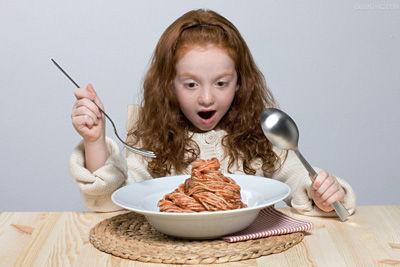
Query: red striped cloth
269,222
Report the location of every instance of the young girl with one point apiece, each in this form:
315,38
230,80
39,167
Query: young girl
203,96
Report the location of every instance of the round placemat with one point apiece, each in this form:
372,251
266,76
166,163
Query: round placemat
130,236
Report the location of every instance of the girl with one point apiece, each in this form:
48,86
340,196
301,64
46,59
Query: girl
203,96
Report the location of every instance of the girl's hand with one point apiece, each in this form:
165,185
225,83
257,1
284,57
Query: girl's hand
86,117
325,190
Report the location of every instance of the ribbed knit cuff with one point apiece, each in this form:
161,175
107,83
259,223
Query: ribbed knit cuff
100,203
104,180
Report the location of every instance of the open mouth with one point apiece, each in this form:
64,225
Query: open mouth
206,114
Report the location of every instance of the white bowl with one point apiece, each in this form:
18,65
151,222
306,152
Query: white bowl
257,192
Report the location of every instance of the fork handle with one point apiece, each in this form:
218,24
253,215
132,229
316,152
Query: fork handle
340,210
139,151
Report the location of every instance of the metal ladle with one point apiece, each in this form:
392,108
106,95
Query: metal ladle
282,132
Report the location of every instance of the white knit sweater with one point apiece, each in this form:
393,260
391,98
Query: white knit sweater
97,187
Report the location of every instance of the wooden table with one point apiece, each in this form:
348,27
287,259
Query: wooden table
370,237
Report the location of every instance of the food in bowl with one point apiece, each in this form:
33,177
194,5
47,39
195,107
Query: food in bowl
207,189
257,192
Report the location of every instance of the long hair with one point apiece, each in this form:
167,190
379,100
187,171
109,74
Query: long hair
164,129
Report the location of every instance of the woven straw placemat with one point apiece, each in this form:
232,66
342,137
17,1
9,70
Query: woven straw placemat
130,236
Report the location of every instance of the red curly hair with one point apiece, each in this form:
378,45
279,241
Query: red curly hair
164,129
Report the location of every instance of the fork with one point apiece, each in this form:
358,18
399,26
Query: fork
140,151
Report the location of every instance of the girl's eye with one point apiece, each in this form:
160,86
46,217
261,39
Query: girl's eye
221,83
191,85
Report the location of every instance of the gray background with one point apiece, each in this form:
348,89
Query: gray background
334,66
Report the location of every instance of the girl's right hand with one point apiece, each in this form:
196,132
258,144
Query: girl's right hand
86,117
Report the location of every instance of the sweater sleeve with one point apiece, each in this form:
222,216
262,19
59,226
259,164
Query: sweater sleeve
96,188
296,176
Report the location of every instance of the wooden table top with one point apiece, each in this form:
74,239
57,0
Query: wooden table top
370,237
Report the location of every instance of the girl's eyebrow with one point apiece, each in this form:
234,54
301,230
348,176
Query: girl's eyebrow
186,75
225,75
190,75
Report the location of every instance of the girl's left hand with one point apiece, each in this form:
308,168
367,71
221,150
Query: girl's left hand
325,190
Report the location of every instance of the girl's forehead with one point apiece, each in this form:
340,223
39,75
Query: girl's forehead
185,49
205,62
205,55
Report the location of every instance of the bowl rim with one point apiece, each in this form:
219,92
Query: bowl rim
203,213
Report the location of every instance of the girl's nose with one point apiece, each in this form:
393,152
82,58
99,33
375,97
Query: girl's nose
206,97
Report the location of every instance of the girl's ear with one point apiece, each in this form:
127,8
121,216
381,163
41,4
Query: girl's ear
237,87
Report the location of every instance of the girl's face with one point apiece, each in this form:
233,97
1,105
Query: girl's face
205,85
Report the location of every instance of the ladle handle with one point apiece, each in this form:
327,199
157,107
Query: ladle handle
311,172
340,210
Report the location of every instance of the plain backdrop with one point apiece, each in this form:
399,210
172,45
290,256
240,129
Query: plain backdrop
334,66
